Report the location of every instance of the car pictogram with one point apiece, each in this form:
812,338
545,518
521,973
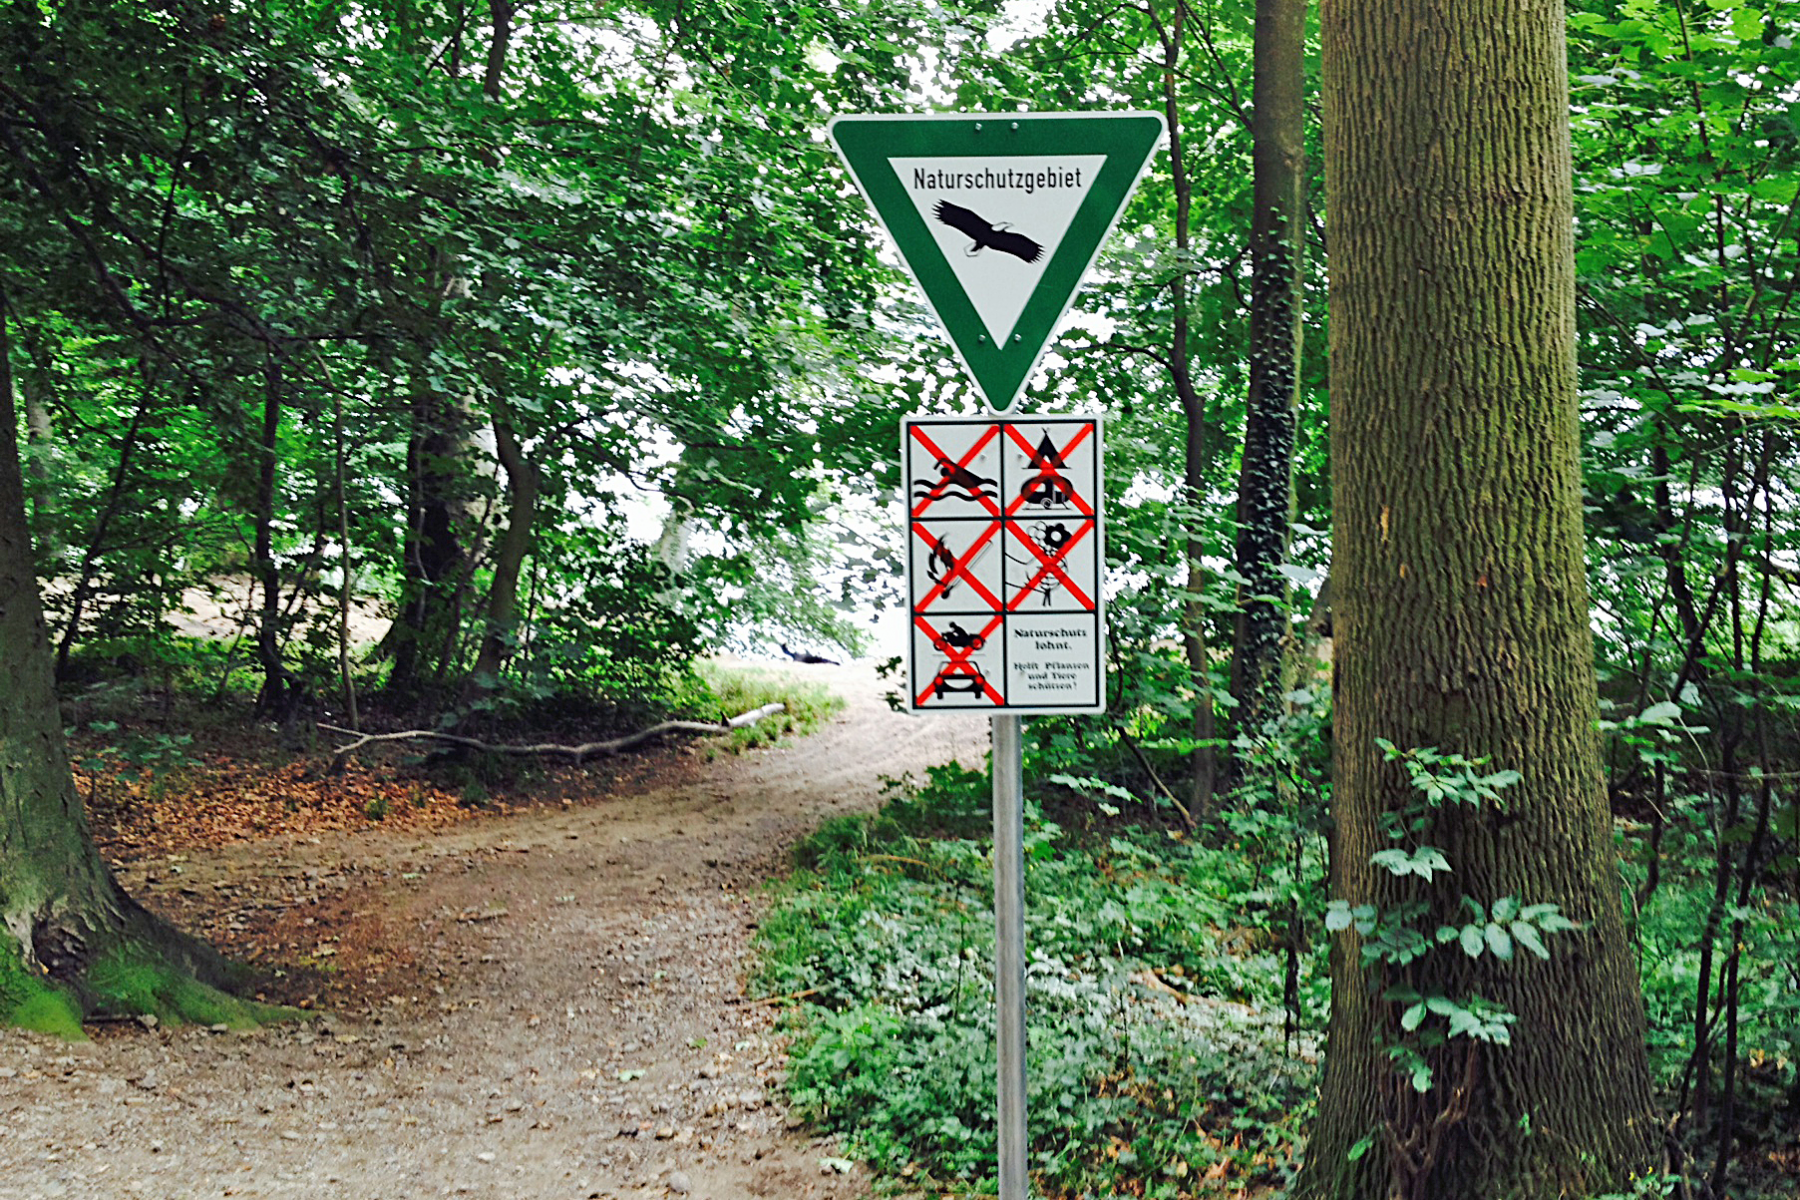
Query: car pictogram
969,680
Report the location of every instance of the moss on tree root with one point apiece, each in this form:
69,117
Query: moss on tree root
30,1001
128,983
122,983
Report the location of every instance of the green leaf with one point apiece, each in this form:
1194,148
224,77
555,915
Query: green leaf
1471,940
1423,862
1427,860
1337,916
1499,781
1527,937
1395,861
1500,942
1413,1017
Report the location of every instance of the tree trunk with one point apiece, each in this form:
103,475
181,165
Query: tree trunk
503,595
1203,762
1460,608
116,498
432,554
347,577
71,941
274,699
436,566
1265,478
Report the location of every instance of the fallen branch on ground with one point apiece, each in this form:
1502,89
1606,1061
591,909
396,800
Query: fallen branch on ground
616,745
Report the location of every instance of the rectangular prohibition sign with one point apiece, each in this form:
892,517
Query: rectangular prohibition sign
1004,564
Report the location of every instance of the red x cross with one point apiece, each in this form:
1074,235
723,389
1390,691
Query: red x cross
920,436
1052,566
958,657
959,569
1047,471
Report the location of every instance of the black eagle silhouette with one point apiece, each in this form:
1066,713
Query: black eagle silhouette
964,221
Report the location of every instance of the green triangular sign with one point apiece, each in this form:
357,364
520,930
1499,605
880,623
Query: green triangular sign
999,216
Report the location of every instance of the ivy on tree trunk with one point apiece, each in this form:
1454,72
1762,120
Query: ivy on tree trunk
1265,479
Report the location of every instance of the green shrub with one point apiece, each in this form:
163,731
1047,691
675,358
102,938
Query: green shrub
1156,1046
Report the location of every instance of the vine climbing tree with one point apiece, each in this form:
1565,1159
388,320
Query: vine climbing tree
1470,1056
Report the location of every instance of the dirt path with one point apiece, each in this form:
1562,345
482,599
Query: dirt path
548,1004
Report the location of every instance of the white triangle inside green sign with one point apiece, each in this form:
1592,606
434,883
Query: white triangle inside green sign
998,216
999,274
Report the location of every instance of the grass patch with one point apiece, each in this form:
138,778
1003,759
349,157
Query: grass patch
1158,1066
719,692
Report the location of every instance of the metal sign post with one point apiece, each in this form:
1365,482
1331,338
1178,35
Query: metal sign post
1009,949
999,217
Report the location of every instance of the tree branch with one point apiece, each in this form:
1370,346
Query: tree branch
578,753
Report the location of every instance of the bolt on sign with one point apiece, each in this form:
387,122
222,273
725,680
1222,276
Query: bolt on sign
1004,564
998,217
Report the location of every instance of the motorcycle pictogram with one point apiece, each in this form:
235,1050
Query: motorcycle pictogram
956,637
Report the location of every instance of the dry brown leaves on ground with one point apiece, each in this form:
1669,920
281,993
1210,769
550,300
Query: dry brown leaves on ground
226,800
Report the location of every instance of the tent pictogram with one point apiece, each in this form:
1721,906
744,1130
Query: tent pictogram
999,217
1004,563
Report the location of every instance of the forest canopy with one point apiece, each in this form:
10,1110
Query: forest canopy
491,362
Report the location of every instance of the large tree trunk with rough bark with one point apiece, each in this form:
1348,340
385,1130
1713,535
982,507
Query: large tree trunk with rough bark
1265,477
71,941
1461,613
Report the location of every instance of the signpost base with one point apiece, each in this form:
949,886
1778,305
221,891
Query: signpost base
1009,949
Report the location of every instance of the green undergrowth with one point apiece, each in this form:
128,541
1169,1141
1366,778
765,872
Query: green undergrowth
1158,1065
720,692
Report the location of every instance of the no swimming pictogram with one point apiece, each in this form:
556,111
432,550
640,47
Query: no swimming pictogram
1004,569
